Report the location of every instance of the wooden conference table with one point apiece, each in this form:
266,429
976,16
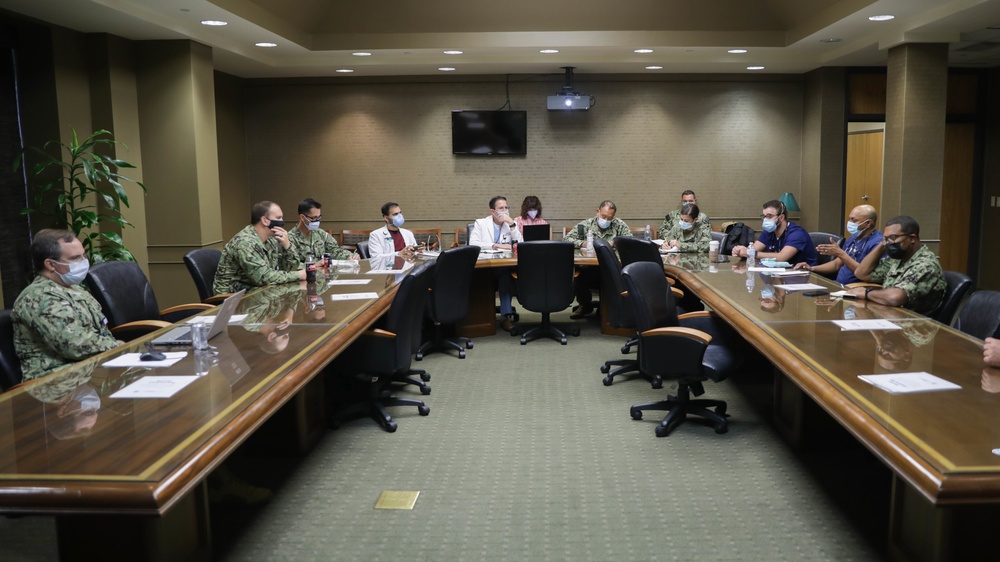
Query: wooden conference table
943,447
127,481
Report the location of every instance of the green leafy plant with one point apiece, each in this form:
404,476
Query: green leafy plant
74,198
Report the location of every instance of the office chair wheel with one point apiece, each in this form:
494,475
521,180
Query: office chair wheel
425,390
423,410
605,369
419,356
607,381
562,341
625,349
721,428
657,382
461,354
662,431
524,340
390,427
425,377
636,414
468,345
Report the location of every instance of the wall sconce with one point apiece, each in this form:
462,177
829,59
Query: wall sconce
789,201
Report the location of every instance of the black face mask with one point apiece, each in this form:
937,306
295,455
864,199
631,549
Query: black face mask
276,223
895,251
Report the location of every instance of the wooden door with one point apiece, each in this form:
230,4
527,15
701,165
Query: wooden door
956,196
864,170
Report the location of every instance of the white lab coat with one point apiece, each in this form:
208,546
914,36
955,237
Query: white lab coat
380,242
482,233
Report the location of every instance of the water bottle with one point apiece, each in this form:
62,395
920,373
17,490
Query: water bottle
646,235
751,256
590,242
750,281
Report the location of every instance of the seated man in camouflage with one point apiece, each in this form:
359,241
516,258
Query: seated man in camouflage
260,254
55,321
308,238
602,225
673,217
910,275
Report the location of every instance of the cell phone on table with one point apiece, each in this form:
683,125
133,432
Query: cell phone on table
815,293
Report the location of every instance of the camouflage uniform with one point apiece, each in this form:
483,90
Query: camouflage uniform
268,303
317,243
56,326
694,240
615,229
673,217
921,277
247,262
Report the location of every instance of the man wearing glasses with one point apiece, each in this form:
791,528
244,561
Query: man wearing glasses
308,238
911,276
781,238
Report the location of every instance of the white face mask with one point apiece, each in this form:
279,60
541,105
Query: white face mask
685,225
77,272
313,226
532,213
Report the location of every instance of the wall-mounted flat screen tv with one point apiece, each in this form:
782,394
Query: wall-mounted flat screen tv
489,133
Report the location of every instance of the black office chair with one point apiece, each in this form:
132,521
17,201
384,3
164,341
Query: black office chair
128,302
620,313
719,237
958,287
202,265
382,354
980,316
632,250
363,251
545,285
448,301
824,238
691,348
10,365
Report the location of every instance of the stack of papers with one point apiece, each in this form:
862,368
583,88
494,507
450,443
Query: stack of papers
901,383
133,360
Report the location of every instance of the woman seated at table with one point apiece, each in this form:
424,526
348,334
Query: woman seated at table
531,212
687,234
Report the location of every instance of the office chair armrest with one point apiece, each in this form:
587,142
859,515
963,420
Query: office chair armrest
380,333
217,299
711,323
132,330
678,294
678,331
698,314
182,311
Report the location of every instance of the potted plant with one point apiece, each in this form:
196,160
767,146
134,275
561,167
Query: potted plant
72,198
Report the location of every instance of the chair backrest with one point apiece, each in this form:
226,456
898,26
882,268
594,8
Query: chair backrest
10,365
650,295
823,238
468,231
958,287
634,250
363,251
462,236
350,238
449,296
432,236
202,264
545,275
980,317
406,314
620,313
718,237
123,292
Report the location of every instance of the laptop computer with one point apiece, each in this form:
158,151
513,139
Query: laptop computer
182,335
532,232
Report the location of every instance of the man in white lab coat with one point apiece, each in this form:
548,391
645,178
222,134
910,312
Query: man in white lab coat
499,231
392,239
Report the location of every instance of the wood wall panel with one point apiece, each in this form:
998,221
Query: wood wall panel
956,195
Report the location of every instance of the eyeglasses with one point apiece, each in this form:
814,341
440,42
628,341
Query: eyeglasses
893,238
313,219
768,217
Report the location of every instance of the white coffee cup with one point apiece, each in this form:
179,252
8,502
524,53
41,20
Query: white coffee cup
713,249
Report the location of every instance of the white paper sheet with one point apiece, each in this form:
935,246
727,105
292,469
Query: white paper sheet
348,281
787,273
767,269
155,387
234,319
132,360
876,324
800,287
901,383
352,296
430,253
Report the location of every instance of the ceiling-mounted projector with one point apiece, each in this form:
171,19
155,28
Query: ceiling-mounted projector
569,99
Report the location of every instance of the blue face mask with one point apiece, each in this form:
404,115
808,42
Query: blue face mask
767,293
770,225
685,225
77,272
398,220
603,223
854,228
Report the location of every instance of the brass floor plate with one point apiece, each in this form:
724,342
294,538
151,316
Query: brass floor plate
390,499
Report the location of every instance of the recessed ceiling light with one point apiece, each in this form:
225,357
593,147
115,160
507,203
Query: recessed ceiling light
362,54
882,18
549,51
344,70
453,52
736,51
643,51
446,69
831,40
214,23
654,68
755,68
265,44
